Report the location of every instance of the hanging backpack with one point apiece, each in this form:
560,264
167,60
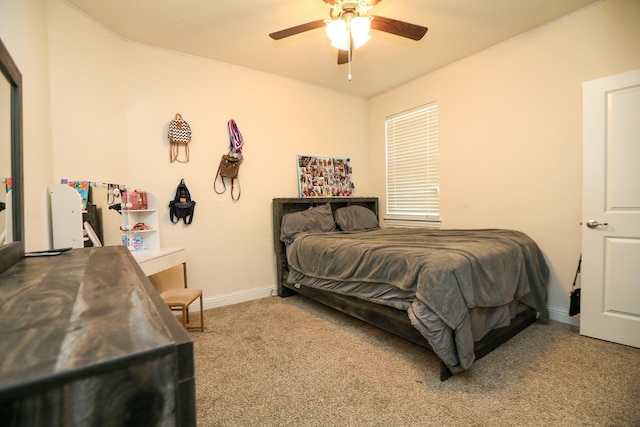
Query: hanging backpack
230,163
179,135
182,207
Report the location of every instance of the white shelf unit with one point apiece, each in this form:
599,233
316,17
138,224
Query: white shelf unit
68,230
149,217
66,217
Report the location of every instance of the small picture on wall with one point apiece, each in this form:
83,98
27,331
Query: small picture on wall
324,177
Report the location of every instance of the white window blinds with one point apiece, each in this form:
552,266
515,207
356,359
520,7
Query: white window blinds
413,189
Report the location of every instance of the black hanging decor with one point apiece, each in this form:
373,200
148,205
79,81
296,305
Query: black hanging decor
182,207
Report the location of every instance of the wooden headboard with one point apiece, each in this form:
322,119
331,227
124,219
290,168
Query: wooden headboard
283,206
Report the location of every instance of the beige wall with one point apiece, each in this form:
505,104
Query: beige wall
112,102
511,130
88,98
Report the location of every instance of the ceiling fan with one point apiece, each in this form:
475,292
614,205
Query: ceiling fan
348,26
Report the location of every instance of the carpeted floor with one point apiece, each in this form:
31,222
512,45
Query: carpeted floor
293,362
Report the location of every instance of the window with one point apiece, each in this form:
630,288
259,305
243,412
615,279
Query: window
413,189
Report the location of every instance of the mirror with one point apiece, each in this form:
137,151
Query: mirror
12,222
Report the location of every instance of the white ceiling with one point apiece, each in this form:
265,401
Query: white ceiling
236,32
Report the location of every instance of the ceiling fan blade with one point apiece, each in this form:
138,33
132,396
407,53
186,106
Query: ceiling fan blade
399,28
343,57
297,29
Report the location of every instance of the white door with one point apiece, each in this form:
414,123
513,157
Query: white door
610,297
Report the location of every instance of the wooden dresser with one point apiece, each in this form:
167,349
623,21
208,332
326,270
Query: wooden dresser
85,340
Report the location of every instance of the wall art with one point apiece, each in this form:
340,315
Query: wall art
324,177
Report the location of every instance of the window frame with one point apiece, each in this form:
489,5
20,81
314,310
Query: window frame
411,135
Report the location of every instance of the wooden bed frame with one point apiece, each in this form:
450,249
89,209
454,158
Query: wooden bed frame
387,318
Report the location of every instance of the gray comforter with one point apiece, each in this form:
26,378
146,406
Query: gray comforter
450,272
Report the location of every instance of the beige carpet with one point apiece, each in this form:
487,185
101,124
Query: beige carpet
292,362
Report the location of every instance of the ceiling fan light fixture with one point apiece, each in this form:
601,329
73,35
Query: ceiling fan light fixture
338,32
360,27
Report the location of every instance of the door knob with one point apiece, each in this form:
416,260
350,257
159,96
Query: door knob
594,224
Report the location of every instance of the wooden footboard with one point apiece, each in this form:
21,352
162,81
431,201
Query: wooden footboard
384,317
397,321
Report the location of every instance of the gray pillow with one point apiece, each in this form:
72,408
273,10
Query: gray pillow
313,220
356,218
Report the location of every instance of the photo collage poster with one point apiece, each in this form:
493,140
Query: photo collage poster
324,177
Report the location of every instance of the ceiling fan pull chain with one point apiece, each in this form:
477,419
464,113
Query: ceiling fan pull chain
350,52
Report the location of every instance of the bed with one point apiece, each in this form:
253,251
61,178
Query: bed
459,293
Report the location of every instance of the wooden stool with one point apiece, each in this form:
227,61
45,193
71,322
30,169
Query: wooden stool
180,299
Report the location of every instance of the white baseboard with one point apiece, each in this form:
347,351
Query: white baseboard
233,298
560,314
